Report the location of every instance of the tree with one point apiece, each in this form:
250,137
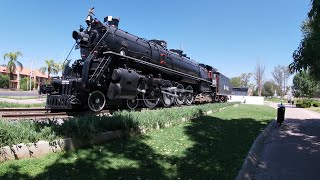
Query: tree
241,81
304,85
269,88
259,77
245,79
235,81
4,81
307,56
60,67
281,75
12,64
50,67
24,84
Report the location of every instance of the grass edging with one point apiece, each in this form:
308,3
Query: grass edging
29,150
250,163
5,104
41,148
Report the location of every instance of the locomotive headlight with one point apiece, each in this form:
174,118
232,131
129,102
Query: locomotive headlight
75,35
80,36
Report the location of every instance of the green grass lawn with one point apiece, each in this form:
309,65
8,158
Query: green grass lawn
207,147
277,100
315,109
17,105
21,97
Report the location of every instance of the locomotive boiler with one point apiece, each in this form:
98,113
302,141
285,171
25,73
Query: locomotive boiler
117,67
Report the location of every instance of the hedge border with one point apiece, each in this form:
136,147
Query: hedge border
41,148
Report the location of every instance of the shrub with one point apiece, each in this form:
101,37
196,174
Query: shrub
87,126
298,105
25,84
316,103
304,104
4,81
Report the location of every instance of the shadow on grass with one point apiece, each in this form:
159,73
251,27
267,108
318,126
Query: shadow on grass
219,148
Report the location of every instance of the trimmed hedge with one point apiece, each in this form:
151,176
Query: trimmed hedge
86,126
307,103
317,104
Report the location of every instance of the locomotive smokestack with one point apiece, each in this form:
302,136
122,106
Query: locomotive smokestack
112,21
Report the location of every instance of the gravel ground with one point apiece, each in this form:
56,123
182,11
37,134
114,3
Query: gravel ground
292,151
18,93
24,101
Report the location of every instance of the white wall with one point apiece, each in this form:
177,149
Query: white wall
247,99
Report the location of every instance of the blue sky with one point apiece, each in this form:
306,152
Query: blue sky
229,35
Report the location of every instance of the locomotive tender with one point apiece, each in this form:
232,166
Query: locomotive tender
117,67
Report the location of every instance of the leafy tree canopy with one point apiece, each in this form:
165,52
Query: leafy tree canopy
13,61
235,81
50,67
307,56
280,75
241,81
304,85
4,81
270,87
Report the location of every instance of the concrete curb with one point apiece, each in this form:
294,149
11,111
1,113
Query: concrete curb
41,148
29,150
249,165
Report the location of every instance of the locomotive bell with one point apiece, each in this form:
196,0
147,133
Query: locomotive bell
112,21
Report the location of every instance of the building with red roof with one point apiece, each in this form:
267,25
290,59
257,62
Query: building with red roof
36,76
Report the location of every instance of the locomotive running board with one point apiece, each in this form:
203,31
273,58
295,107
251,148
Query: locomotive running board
157,66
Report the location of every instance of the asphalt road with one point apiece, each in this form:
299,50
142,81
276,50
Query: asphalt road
292,151
18,93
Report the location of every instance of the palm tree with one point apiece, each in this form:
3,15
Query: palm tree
12,64
51,67
60,67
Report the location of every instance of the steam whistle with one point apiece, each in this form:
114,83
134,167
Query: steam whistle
89,17
91,10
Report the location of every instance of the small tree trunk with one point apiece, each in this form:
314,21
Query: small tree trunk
260,90
48,80
10,80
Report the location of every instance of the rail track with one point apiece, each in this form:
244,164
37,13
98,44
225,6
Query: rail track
41,113
29,113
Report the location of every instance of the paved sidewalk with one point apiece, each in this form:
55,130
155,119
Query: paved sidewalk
292,151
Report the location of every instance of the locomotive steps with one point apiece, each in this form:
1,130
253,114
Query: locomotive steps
40,148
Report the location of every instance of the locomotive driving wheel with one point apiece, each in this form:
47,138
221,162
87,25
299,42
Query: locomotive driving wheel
96,101
133,103
216,98
189,96
179,100
166,98
151,97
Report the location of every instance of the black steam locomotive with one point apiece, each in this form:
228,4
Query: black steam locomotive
117,67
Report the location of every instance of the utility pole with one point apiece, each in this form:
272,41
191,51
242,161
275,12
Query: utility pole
284,84
30,83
